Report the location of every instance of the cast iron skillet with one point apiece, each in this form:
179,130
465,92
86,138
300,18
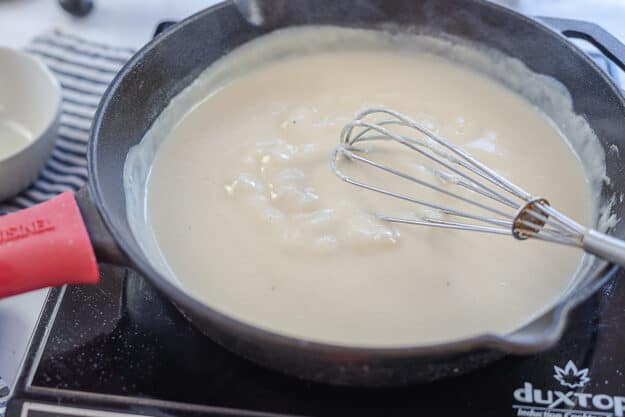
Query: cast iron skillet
170,62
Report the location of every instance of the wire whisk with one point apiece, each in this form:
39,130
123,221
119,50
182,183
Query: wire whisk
489,202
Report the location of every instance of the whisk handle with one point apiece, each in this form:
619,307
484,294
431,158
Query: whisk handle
604,246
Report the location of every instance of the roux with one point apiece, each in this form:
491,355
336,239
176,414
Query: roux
247,215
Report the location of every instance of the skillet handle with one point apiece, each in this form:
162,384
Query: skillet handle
45,245
610,46
104,245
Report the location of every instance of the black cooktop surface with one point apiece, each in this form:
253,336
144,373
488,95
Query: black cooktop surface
121,346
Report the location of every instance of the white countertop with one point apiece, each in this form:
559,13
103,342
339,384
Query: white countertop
131,24
116,22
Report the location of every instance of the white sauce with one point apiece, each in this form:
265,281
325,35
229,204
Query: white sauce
13,137
242,209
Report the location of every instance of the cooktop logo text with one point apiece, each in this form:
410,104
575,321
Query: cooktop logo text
537,402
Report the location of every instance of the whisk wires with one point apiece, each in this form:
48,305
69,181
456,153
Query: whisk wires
501,206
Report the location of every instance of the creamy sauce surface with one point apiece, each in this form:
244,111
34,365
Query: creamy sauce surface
250,219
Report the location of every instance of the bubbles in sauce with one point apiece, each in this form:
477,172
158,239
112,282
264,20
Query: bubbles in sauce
276,180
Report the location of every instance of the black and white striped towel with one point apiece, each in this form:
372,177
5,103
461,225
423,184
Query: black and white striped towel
84,69
4,396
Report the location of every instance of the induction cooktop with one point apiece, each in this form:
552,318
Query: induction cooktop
120,348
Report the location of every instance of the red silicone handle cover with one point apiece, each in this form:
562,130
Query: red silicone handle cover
45,245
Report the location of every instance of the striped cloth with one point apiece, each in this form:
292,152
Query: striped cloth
84,69
4,396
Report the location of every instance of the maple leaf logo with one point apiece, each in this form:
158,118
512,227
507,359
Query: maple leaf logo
570,376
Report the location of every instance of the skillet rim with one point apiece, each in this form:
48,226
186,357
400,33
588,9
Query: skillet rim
186,302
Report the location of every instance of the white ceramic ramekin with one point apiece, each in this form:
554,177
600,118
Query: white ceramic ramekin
30,97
